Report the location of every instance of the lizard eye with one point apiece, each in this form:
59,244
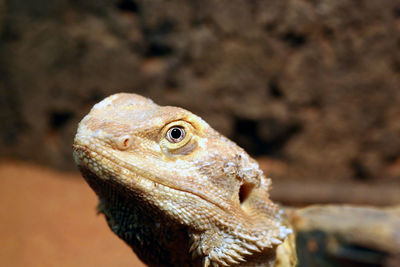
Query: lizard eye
178,138
176,134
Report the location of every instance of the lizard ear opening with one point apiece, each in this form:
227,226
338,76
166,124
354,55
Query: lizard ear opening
244,192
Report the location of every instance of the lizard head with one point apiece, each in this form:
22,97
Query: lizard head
173,161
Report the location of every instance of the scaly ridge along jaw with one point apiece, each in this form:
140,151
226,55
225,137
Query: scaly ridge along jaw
192,210
143,183
104,166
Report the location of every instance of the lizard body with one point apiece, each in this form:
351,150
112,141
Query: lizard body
175,190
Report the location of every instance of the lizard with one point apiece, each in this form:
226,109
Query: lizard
178,192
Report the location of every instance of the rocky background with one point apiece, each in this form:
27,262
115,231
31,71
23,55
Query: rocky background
309,87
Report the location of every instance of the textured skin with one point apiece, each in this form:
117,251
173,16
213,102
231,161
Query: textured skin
198,202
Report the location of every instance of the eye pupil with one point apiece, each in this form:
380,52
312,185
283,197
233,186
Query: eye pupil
176,133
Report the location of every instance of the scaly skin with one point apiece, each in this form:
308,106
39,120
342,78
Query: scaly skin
198,201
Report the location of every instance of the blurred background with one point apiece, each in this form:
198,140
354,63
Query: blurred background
310,88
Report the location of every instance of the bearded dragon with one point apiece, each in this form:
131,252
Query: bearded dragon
177,191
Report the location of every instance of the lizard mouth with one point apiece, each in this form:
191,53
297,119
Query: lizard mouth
128,175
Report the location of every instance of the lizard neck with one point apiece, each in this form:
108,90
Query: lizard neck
154,238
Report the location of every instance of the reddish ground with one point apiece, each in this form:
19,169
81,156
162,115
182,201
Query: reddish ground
48,218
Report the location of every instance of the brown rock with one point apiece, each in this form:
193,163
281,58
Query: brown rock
313,84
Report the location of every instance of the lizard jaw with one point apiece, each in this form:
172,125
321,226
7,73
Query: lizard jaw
86,156
144,185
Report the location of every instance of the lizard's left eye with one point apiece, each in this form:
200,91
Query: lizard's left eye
176,134
178,138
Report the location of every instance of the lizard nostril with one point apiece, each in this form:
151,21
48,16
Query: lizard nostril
124,142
